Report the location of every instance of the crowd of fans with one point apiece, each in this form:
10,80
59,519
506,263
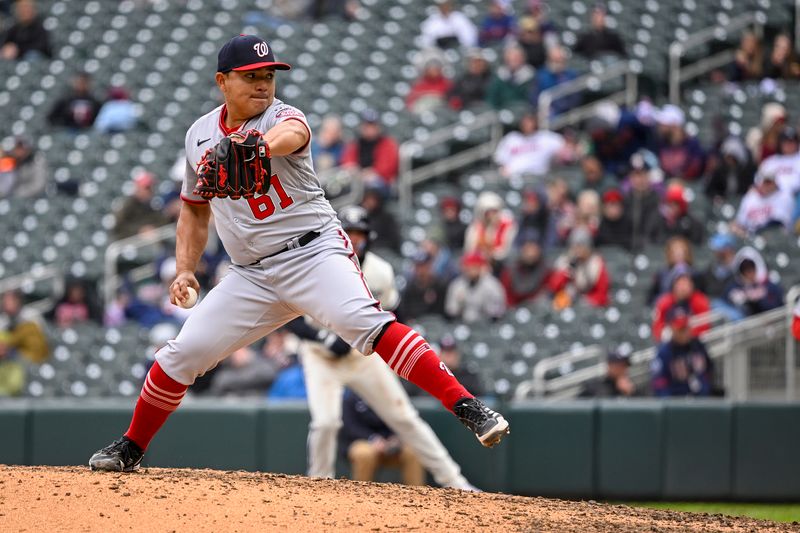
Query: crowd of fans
639,167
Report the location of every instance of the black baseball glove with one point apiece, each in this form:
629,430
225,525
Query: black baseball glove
238,166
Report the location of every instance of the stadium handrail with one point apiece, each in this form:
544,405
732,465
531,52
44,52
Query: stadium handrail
725,341
410,177
593,80
679,74
37,273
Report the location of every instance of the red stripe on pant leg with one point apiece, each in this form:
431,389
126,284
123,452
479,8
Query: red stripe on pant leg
150,413
426,371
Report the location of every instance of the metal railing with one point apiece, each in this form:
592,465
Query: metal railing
410,149
593,81
26,281
755,357
678,74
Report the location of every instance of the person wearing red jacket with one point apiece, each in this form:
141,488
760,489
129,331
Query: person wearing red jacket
682,294
374,153
796,322
580,272
430,90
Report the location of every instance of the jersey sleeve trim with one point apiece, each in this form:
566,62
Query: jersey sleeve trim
193,201
308,141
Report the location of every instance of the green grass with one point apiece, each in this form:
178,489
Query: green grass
779,512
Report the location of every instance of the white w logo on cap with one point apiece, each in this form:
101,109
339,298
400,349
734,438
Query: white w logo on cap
261,49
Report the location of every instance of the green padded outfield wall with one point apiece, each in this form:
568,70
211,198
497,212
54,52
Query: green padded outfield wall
767,452
14,420
551,449
582,449
629,449
697,450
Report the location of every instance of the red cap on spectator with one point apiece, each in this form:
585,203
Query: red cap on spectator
612,195
678,318
473,259
675,194
449,201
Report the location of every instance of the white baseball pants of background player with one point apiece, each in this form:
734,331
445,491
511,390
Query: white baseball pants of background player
377,385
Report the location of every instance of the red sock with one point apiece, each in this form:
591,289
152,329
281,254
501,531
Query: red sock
411,358
160,396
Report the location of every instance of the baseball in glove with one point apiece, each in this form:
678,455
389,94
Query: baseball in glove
237,167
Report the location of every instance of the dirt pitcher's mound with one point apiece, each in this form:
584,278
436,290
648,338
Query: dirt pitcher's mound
37,499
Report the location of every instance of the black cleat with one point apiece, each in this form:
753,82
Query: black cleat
122,455
490,427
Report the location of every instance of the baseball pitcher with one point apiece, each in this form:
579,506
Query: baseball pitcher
248,162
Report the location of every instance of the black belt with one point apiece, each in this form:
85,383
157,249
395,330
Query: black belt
297,242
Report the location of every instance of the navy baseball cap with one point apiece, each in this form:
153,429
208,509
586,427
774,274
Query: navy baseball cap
247,52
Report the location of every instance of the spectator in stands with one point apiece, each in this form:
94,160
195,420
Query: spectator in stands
327,147
374,152
344,9
118,113
679,155
472,87
75,306
796,322
719,273
451,356
580,273
535,215
531,39
538,10
763,140
674,218
616,383
387,234
26,38
732,170
289,383
615,226
684,295
561,209
12,372
599,39
528,273
595,177
448,28
764,206
513,80
245,373
677,251
78,108
138,214
443,265
587,212
785,164
498,24
453,228
529,150
749,59
682,366
782,62
751,291
492,230
476,295
22,328
430,91
554,73
29,174
642,201
616,135
425,291
369,444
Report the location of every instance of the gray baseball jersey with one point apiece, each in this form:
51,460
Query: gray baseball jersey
294,205
321,279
